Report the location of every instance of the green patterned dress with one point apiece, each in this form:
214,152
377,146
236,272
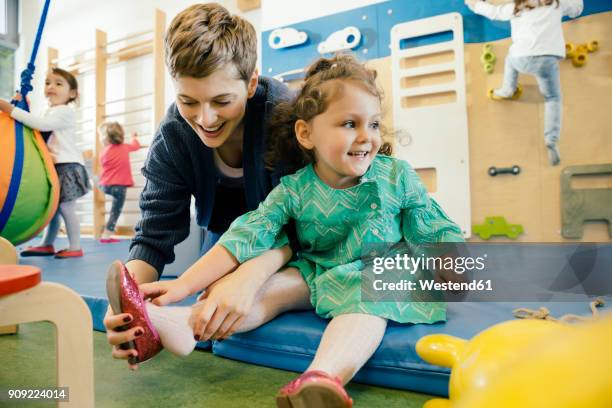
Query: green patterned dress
389,204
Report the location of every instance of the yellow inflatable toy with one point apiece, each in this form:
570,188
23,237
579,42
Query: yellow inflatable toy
526,364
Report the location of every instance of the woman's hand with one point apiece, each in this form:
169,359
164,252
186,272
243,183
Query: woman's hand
471,3
115,333
117,337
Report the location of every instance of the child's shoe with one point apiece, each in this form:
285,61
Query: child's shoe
124,297
497,95
109,240
314,389
553,154
46,250
69,253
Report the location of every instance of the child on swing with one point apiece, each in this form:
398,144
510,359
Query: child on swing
61,90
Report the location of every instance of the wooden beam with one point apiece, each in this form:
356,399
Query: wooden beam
129,37
101,42
122,230
52,55
158,67
128,53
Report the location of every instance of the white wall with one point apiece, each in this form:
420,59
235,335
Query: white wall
281,13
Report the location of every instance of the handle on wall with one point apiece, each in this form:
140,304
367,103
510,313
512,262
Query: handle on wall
345,39
290,75
286,37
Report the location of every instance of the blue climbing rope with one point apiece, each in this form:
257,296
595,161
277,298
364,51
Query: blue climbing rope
28,73
26,87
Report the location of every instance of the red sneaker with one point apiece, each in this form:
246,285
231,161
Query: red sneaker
46,250
314,389
124,297
68,253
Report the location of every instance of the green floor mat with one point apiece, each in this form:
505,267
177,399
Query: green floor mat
200,380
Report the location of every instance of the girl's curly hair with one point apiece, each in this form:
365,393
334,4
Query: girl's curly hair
311,101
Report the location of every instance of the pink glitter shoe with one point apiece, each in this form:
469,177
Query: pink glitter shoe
124,297
314,389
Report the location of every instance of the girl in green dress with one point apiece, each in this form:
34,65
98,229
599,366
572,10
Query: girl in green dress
343,195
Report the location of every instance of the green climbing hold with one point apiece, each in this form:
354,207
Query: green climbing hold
497,226
487,57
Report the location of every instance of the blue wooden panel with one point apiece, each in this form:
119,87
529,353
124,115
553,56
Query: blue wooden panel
275,62
444,36
476,28
376,29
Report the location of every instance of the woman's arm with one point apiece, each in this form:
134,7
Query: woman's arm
141,271
164,204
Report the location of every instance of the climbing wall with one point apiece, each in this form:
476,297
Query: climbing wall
506,133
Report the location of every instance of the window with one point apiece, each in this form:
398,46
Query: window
8,24
7,73
3,29
8,42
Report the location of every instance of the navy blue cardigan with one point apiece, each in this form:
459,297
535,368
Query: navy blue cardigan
179,166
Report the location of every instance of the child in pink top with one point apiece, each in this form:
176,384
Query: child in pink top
116,174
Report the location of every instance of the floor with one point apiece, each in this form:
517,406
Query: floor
200,380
